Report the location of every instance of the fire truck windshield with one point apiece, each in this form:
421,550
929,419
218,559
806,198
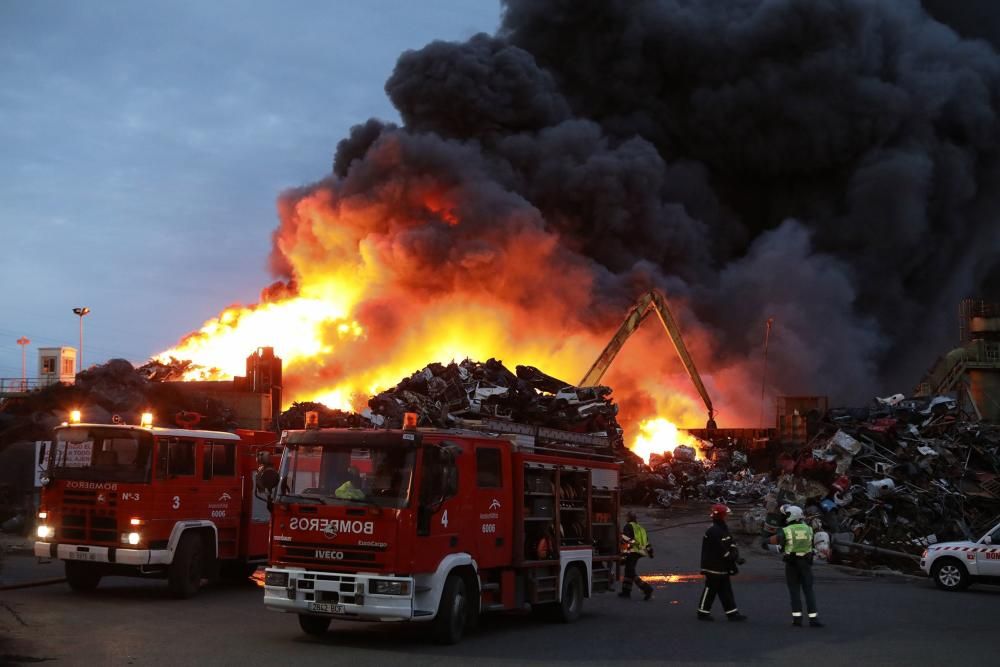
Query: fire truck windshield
333,474
102,454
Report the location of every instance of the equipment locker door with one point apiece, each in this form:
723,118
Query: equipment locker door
493,506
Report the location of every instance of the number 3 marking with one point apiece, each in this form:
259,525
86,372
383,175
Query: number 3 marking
177,502
444,519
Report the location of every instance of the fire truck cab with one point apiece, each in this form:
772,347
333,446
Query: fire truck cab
447,524
141,500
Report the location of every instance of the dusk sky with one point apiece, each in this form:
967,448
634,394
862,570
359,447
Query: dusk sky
145,144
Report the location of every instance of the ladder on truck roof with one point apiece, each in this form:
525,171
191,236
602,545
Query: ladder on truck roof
543,438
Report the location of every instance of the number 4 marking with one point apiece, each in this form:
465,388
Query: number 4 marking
444,519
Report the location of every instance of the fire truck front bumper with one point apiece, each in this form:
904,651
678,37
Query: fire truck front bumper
92,554
358,597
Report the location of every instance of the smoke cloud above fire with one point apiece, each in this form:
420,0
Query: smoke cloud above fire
830,164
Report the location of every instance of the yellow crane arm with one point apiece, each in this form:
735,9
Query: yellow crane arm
652,300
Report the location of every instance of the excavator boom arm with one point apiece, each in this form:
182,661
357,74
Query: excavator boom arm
632,320
652,300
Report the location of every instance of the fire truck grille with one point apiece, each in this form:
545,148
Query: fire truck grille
97,499
90,516
340,555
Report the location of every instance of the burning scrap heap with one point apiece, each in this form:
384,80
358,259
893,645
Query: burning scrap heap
892,478
471,389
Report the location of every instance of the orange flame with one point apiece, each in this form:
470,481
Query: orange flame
658,436
384,282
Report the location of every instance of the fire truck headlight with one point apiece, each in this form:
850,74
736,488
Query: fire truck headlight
44,532
388,587
131,538
279,579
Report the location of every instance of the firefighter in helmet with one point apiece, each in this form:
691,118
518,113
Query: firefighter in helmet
719,561
796,542
636,545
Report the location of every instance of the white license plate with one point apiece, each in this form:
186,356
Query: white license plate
81,555
328,608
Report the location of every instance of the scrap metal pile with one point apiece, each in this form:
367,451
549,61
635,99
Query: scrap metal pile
720,475
469,390
891,480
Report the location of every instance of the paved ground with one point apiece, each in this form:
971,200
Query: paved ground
871,620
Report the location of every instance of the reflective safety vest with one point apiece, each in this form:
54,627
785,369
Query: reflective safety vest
348,490
798,539
640,541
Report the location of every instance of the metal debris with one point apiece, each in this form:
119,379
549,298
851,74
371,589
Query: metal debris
886,481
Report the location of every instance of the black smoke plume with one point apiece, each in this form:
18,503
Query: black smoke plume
832,164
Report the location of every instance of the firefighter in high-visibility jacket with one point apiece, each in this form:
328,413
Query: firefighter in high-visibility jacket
636,545
796,542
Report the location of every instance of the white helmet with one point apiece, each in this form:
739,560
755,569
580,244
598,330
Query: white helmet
793,513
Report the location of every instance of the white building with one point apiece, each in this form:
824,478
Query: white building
56,364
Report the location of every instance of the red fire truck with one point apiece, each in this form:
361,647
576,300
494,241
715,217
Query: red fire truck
140,500
447,524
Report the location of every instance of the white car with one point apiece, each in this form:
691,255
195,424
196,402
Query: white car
955,565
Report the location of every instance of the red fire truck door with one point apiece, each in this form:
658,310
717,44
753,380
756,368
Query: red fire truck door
441,526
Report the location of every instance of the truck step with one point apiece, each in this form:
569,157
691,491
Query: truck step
492,586
494,606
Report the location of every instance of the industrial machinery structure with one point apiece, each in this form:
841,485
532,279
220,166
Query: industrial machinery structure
649,302
972,370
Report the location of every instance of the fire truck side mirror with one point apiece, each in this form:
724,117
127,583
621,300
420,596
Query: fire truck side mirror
267,479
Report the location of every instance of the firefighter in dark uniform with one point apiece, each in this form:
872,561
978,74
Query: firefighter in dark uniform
796,541
636,546
719,560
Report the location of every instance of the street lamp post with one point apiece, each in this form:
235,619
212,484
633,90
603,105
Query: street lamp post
23,342
81,311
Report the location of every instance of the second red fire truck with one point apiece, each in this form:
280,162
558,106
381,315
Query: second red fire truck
439,525
141,500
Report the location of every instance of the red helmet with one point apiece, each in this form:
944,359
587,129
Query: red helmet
719,511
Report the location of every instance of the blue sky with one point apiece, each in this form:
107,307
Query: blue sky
144,145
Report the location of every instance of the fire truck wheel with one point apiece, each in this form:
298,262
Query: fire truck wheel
572,596
315,626
450,622
82,577
186,570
